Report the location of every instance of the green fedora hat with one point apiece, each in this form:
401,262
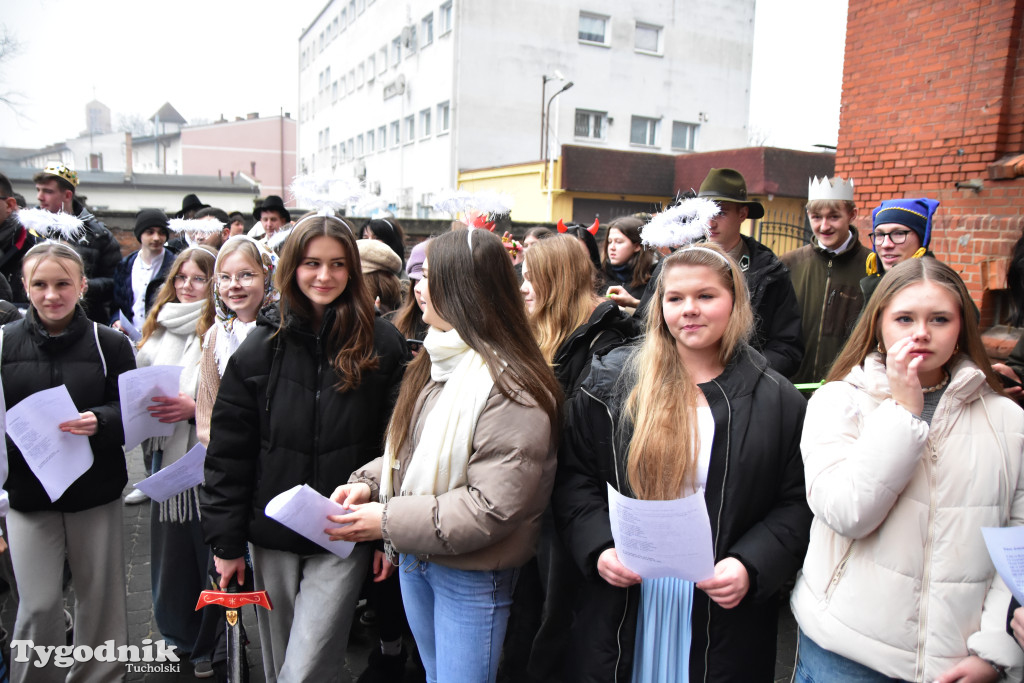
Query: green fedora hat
728,185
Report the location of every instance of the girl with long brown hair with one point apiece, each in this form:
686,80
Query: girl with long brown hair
909,449
305,400
172,335
692,409
626,264
469,462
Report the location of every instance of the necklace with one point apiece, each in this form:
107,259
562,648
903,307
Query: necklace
940,385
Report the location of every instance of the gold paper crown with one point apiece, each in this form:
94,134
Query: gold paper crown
61,171
836,189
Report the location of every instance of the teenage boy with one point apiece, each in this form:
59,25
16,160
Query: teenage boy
901,230
55,191
826,275
140,274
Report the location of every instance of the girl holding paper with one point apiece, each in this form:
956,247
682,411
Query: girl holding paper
469,462
304,400
693,408
172,335
56,344
909,449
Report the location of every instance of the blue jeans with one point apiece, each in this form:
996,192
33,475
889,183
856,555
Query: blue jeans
815,664
458,618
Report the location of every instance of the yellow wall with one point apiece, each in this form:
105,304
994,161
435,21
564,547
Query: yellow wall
525,183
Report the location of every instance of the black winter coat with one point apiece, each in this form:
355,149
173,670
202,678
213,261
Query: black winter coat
755,498
777,323
608,327
279,421
15,240
124,297
100,253
32,361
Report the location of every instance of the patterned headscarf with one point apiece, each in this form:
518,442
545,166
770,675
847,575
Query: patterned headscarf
233,332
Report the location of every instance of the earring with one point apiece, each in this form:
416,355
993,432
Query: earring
878,347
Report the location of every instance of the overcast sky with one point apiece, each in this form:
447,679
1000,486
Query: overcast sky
232,57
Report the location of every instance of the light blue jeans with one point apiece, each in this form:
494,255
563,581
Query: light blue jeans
815,664
458,618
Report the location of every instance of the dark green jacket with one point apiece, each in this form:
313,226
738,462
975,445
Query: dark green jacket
828,290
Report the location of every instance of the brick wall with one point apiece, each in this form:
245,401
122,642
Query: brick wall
933,94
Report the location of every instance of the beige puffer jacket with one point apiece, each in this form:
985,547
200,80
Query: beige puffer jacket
493,522
897,576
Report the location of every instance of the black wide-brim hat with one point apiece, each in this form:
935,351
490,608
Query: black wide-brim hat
273,203
728,185
190,203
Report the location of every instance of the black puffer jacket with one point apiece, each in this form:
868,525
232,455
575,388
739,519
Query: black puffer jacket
608,327
31,361
100,253
279,421
756,502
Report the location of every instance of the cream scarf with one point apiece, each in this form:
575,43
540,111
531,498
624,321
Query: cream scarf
175,342
441,456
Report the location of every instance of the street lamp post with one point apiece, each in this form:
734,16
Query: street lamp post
545,149
543,95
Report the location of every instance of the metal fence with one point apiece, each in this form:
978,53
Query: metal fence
783,231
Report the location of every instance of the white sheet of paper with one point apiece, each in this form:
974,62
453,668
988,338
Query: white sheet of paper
56,458
129,329
305,511
658,538
1006,547
180,476
5,501
138,388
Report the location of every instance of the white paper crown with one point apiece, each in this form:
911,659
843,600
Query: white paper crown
836,189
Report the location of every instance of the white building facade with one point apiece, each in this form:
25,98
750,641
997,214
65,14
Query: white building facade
405,95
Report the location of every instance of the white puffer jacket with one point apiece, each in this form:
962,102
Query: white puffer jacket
897,576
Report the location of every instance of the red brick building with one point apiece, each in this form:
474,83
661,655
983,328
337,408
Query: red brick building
933,105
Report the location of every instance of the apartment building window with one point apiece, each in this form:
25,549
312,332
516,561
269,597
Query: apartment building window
334,91
591,124
382,138
684,135
344,18
351,149
425,123
648,38
396,51
360,5
382,60
410,43
351,80
427,29
341,88
371,68
334,155
644,131
395,133
341,154
593,28
444,18
369,141
359,145
360,75
352,12
443,111
410,129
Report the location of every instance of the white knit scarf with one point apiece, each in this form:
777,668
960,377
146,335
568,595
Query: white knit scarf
227,341
441,456
175,342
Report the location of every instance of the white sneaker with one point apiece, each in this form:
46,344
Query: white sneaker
135,497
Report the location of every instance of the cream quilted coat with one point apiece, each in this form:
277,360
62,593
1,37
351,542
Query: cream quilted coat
897,576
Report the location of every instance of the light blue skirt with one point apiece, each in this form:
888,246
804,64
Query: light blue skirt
663,632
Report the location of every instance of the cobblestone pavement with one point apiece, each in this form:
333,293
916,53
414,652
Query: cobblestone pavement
141,623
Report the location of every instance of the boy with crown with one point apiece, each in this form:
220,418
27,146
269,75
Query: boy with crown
826,275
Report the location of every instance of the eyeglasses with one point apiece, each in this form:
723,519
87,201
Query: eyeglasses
243,279
896,236
197,280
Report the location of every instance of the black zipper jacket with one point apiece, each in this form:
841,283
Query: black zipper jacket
33,360
279,421
756,502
